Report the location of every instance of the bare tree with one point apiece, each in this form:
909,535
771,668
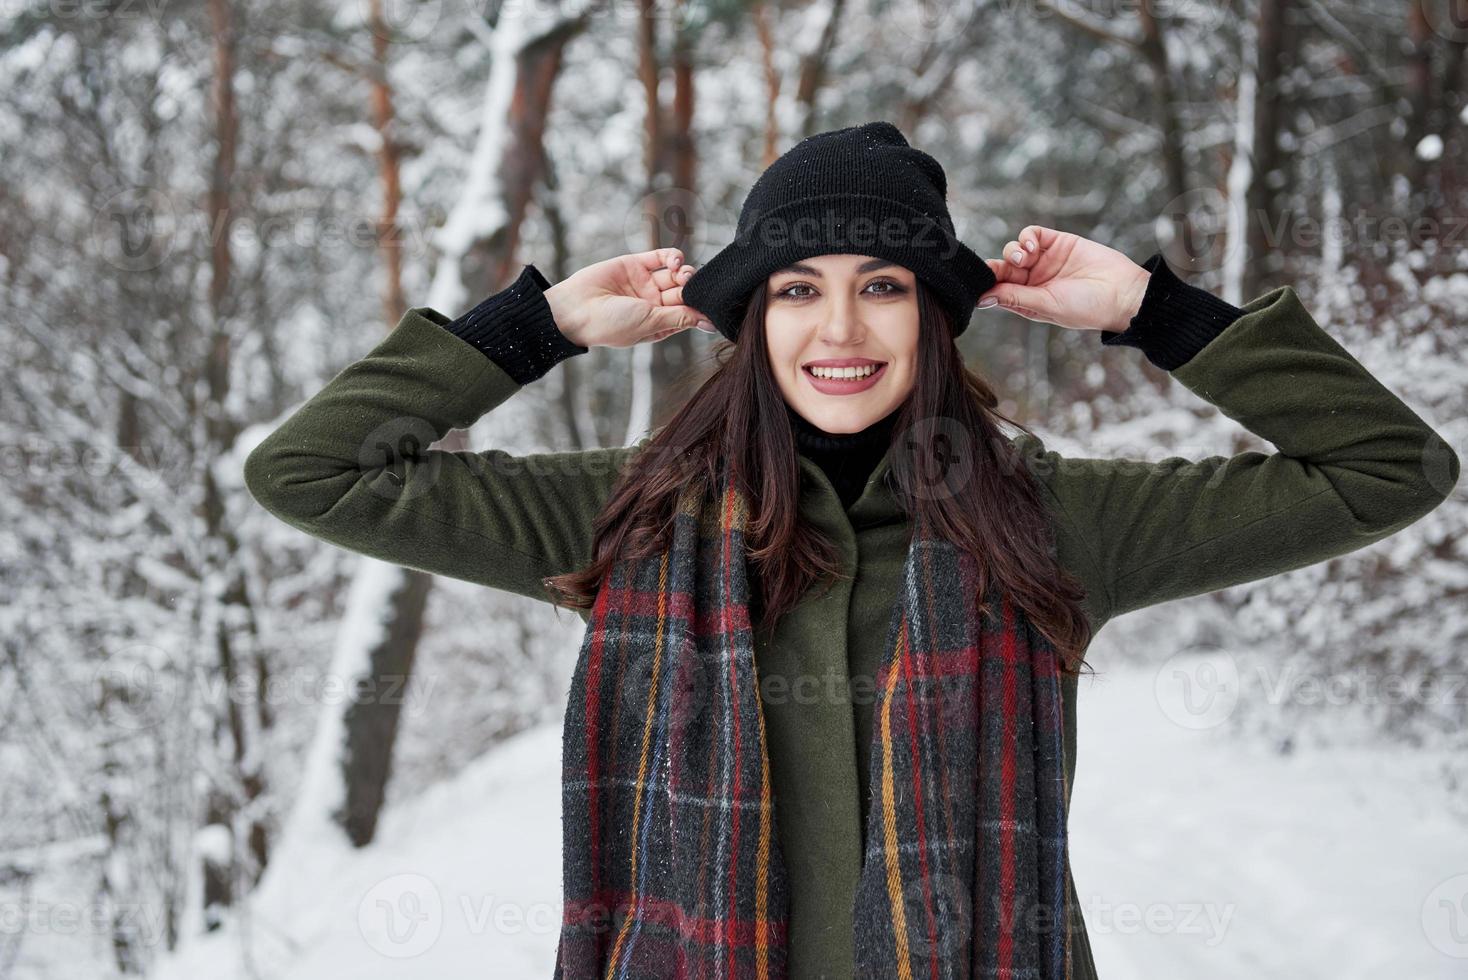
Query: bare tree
232,629
349,767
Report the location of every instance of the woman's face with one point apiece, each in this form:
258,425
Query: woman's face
842,312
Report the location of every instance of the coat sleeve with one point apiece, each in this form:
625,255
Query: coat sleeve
352,467
1352,465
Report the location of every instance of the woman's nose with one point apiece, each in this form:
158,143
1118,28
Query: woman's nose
841,325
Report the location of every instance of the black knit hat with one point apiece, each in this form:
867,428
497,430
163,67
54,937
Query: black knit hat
860,190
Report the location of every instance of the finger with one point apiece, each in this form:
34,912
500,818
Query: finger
668,320
1015,255
671,281
1037,238
1006,271
665,334
659,258
674,295
1030,302
1025,251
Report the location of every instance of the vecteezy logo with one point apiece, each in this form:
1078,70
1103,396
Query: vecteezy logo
399,447
1201,217
1445,917
135,229
937,458
401,916
1198,689
135,687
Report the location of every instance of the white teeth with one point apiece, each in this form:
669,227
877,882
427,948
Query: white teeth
846,372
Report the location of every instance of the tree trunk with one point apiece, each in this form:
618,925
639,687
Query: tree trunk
1269,107
674,379
1174,163
370,721
231,806
576,416
348,771
813,71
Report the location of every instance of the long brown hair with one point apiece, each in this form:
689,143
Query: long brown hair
952,467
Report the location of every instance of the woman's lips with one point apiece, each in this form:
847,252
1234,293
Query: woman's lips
843,386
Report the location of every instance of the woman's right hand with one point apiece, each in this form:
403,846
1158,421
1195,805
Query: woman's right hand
625,300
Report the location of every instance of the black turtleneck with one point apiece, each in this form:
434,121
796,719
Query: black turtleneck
847,459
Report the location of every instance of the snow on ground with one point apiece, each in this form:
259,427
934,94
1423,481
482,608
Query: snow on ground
1195,854
1338,863
463,882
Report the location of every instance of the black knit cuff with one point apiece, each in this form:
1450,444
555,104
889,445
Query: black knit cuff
1174,321
515,329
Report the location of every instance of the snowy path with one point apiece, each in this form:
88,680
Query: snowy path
1246,864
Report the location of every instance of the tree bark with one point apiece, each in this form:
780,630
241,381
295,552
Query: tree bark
477,259
1174,164
231,806
1269,106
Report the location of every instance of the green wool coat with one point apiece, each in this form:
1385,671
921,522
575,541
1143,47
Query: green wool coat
1353,465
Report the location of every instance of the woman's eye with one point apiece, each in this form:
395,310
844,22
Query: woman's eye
892,289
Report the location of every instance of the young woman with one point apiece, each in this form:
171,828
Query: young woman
823,721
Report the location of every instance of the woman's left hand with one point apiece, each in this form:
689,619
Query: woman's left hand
1064,279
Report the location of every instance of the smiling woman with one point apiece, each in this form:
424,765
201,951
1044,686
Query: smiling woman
960,572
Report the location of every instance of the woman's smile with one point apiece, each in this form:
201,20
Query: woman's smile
843,376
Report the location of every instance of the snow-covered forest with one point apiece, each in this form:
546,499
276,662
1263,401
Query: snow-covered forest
231,750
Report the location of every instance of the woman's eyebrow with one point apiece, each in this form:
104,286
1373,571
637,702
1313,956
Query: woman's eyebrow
800,268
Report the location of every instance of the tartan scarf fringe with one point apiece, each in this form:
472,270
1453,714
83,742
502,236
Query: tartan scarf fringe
671,866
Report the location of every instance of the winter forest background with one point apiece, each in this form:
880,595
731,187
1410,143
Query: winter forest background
230,750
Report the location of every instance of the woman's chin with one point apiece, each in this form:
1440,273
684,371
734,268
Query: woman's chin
841,419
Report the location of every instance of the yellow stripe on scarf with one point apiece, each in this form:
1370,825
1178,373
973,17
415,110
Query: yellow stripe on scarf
889,816
652,702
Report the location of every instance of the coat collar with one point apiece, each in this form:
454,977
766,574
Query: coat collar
877,503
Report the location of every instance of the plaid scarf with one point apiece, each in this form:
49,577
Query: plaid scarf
671,864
